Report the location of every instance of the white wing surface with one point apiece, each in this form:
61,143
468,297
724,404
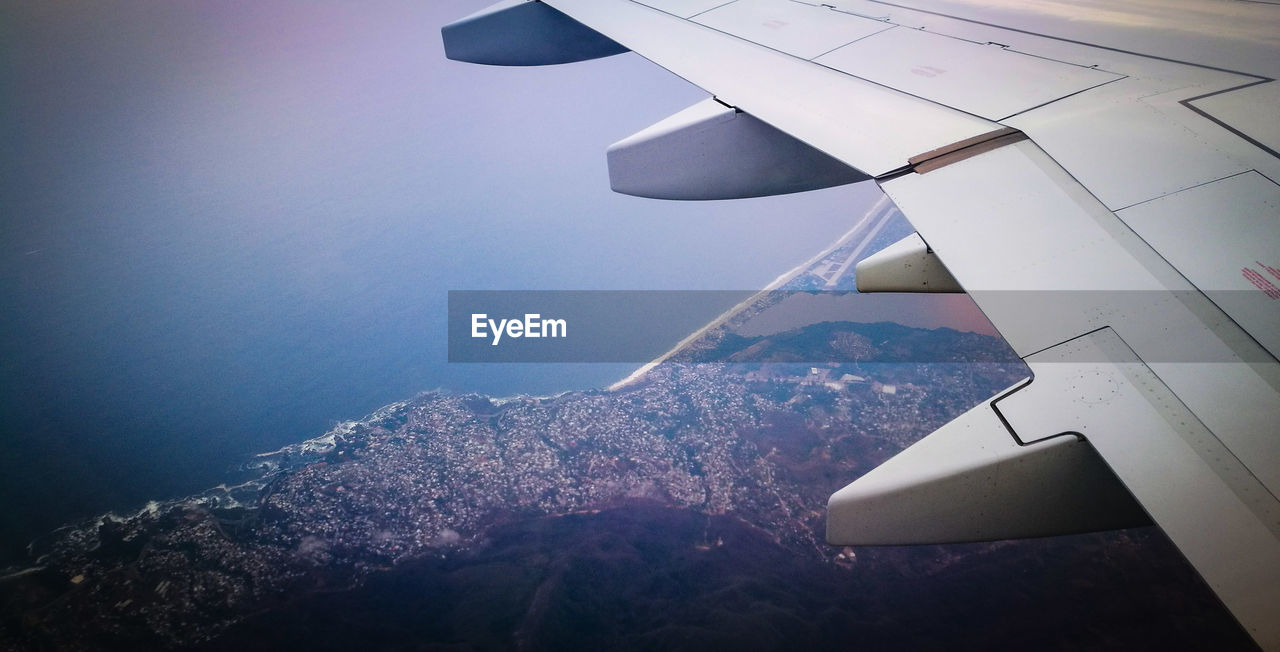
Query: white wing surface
1100,178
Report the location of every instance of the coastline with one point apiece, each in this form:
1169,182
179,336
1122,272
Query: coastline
786,277
265,465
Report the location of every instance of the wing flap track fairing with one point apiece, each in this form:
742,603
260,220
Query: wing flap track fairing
714,151
524,33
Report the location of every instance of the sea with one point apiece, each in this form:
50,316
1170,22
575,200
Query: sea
227,226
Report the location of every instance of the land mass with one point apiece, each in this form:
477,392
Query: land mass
682,508
527,522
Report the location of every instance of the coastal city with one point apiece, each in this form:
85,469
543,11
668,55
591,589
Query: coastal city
431,476
722,457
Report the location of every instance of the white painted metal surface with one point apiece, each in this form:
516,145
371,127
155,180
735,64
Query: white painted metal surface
875,11
800,30
904,266
1127,148
1013,220
1128,141
711,151
683,8
1057,264
1210,506
869,127
1230,34
1254,111
981,79
1225,238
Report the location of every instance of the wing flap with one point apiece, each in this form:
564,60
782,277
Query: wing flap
1125,351
714,151
1047,262
1213,508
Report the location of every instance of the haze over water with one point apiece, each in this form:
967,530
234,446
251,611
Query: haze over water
225,226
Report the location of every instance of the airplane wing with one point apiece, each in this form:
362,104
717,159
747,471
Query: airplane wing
1101,179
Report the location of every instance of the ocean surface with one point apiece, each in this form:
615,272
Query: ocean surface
225,227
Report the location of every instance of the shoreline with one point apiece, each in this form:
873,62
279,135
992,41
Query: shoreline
320,444
786,277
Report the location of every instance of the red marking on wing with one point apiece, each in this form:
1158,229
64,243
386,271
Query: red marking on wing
1261,282
1274,272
